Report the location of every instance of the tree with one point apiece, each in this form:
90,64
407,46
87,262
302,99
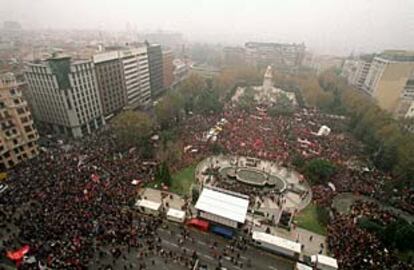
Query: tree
190,88
132,128
208,101
170,153
283,106
322,214
195,193
319,171
404,237
162,174
168,110
298,161
370,225
247,101
216,148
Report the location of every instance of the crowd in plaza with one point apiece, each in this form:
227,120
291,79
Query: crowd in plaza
280,139
72,205
354,247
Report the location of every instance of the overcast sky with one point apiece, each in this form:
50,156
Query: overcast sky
326,26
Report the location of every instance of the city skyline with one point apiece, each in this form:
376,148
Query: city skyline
326,27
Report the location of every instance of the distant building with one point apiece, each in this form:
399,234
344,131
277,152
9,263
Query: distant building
234,56
111,82
64,95
181,71
266,93
167,68
204,70
280,55
155,69
11,26
388,76
321,63
18,136
165,39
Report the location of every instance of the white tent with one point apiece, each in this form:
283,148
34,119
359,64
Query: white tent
323,262
176,215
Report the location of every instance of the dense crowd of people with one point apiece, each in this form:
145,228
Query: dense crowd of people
72,204
356,248
281,139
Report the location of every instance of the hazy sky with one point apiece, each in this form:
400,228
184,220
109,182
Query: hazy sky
327,26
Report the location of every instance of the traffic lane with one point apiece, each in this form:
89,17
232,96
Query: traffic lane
202,242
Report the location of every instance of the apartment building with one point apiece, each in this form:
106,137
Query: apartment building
280,55
111,82
133,65
405,107
387,78
137,76
155,69
18,136
64,96
167,68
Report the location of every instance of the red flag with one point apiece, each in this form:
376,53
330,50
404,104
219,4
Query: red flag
95,178
18,254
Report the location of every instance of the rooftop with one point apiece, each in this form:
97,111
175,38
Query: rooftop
148,204
277,241
223,204
325,260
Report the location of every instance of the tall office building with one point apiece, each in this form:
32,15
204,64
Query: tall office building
134,70
111,83
64,96
387,78
167,68
18,137
137,76
155,69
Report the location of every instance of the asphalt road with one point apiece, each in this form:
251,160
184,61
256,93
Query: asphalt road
203,241
198,241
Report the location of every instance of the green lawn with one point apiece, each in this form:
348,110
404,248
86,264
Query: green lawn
182,180
308,219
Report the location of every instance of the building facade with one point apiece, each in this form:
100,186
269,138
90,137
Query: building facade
155,69
387,78
280,55
181,71
111,83
167,68
130,65
405,107
18,136
137,76
361,72
64,95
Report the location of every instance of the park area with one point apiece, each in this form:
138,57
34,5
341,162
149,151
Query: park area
310,219
181,181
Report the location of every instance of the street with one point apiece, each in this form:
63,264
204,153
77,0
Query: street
200,242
